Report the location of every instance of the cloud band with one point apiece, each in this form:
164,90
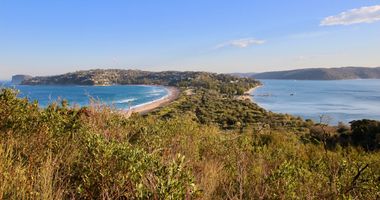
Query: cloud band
367,14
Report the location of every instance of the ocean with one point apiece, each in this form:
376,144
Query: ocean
121,97
337,101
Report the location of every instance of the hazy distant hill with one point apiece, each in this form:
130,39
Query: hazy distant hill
322,74
246,75
17,79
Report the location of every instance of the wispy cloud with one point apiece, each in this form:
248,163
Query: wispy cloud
367,14
241,43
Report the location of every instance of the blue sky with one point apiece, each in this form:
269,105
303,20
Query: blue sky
50,37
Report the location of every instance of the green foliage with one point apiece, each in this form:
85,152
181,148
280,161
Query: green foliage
54,153
366,133
212,108
362,133
205,145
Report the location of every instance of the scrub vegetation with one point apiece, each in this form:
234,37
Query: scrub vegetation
206,145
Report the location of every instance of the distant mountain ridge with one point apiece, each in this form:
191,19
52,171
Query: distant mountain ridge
321,74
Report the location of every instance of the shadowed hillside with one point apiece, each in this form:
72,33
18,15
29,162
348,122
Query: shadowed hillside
322,74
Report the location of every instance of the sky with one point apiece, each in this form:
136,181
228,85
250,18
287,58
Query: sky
47,37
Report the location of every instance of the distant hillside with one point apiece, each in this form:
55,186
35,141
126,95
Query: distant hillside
322,74
227,84
244,75
17,79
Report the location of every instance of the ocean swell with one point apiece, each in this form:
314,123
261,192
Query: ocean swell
126,100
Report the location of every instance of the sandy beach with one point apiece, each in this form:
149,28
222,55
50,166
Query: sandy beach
173,94
248,94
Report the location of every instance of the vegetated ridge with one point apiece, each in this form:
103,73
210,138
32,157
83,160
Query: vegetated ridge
322,74
122,77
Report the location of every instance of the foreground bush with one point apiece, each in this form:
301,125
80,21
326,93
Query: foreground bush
95,153
53,154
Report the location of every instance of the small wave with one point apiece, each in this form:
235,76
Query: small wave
154,95
126,100
156,91
150,102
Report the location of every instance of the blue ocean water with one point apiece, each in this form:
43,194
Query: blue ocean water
119,96
341,101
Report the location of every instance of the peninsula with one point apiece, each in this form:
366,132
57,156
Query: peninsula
174,81
211,142
18,79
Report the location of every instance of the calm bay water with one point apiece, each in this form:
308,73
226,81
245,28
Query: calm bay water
120,96
343,100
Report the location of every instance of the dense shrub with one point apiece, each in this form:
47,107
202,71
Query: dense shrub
366,133
96,153
54,153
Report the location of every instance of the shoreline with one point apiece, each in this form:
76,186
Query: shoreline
173,94
247,94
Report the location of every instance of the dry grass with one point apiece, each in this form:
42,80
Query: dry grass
95,153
